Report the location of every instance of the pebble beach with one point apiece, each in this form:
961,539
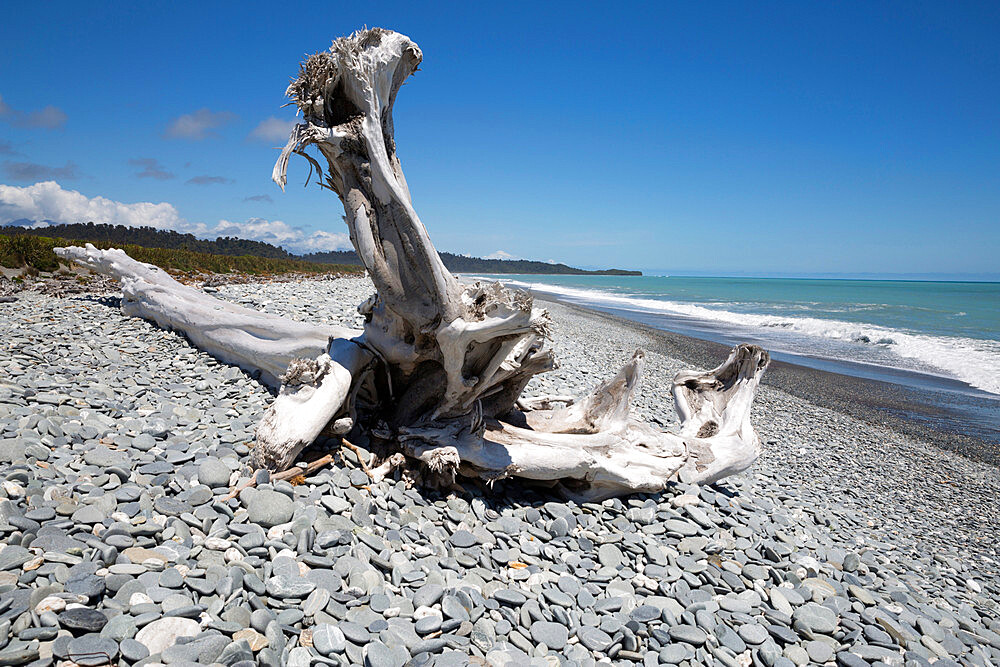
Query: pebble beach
847,543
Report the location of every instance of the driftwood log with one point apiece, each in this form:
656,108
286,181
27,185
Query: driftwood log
437,372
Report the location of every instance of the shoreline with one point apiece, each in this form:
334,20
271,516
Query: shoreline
910,489
877,402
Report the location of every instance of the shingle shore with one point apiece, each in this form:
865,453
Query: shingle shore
845,544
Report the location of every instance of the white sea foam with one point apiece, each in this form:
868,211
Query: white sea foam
974,361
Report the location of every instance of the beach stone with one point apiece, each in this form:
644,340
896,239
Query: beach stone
328,639
427,625
13,556
609,555
170,506
12,450
378,654
559,527
213,473
463,539
553,635
688,634
88,514
355,632
730,639
848,659
317,600
851,562
753,634
299,657
779,601
427,595
160,634
82,619
237,653
509,597
90,586
19,655
91,650
102,457
250,637
289,587
594,639
819,652
132,650
270,508
644,613
816,617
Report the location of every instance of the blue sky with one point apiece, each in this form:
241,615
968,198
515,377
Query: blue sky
714,137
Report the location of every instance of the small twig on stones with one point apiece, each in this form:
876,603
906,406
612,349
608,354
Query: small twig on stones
287,474
357,452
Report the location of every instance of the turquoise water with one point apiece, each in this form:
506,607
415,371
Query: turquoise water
944,329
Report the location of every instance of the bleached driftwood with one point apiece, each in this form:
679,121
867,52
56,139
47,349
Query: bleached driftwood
439,368
253,340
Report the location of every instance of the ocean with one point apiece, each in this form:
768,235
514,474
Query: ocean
936,336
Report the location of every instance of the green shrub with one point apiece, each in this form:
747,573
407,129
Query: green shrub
27,251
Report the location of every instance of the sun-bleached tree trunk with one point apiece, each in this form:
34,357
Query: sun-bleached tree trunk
438,370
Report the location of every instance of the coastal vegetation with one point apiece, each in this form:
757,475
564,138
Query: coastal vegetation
35,253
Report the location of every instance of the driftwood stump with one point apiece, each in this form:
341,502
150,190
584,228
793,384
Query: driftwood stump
437,372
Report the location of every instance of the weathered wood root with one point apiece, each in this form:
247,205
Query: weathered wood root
595,450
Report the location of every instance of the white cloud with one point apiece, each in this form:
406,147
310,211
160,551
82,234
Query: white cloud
49,201
280,233
198,125
273,130
500,254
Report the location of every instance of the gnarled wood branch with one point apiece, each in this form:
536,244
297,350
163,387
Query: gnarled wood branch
439,368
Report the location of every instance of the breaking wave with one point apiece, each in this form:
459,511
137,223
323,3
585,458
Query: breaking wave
970,360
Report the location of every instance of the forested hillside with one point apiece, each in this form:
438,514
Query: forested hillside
149,237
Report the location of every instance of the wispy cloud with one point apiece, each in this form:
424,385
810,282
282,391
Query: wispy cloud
47,118
260,198
151,168
49,201
7,148
199,125
32,171
272,130
209,180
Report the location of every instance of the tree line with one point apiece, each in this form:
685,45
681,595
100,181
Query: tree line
150,237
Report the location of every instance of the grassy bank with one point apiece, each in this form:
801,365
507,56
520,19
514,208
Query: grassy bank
35,252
